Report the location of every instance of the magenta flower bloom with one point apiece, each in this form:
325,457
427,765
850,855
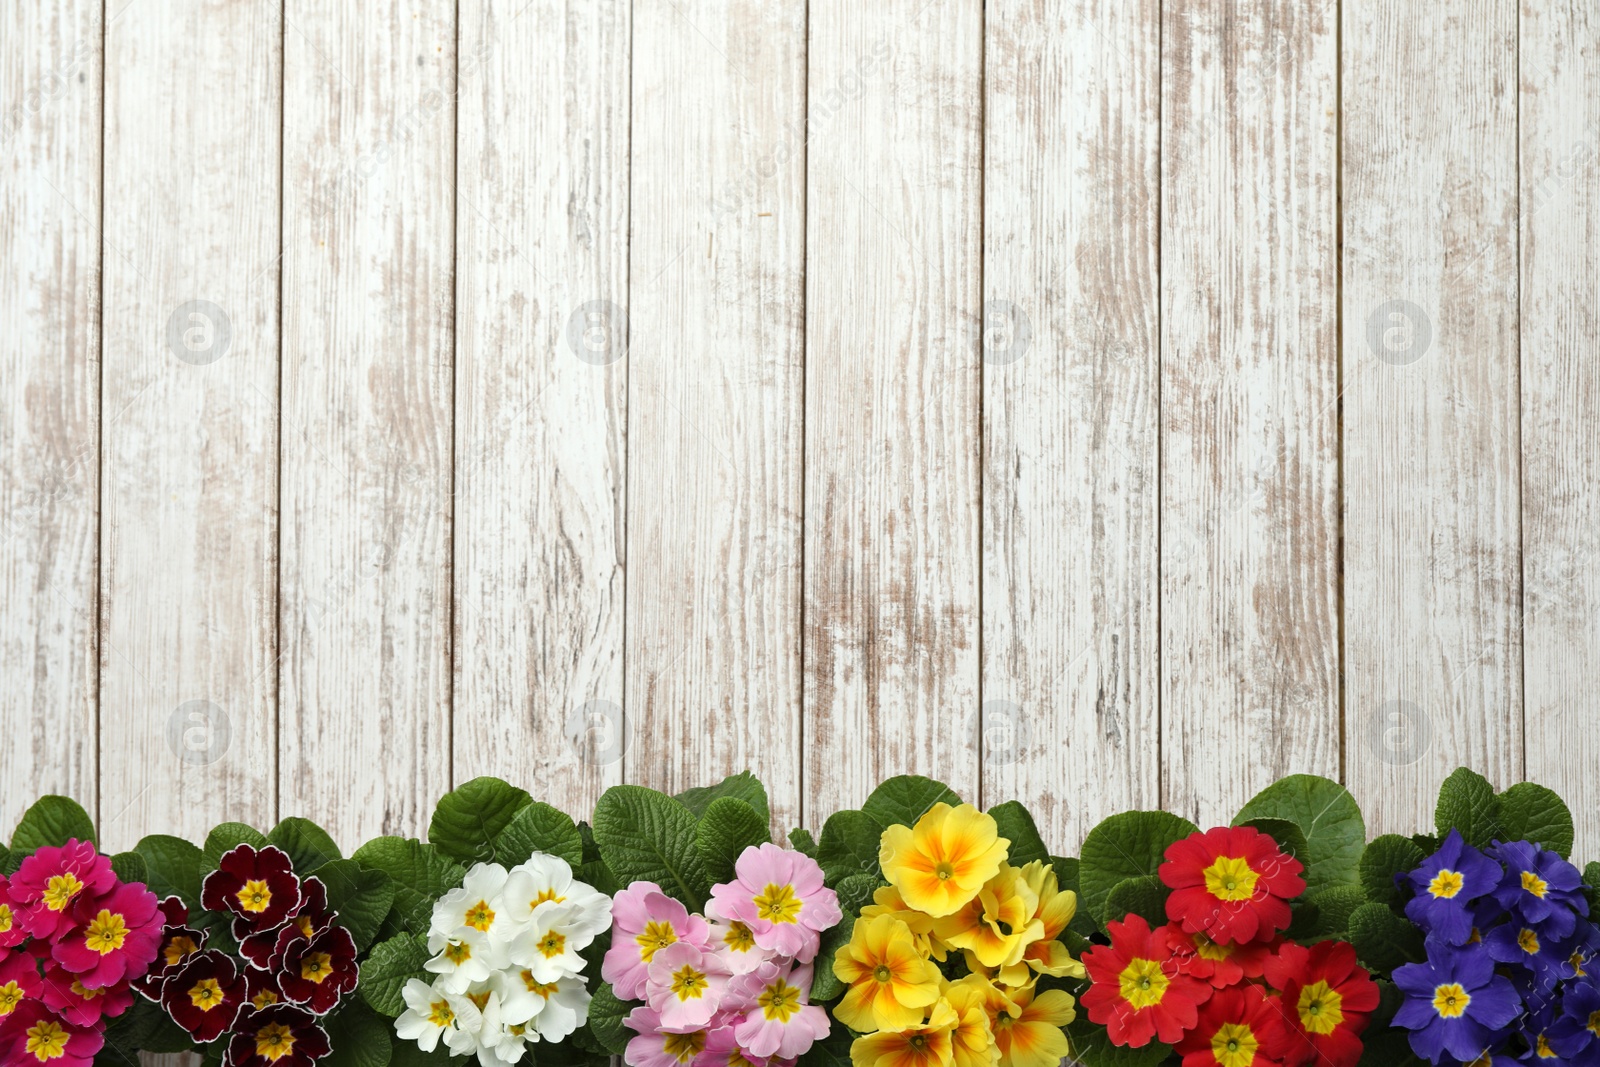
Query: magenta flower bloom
12,932
114,937
645,920
781,1020
19,981
35,1035
65,994
654,1047
778,893
52,879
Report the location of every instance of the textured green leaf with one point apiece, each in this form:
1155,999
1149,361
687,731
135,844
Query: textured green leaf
1530,812
801,841
471,816
362,897
386,971
224,838
52,821
307,844
906,798
742,786
1335,904
1091,1047
1129,845
403,1053
726,829
1329,818
1017,826
647,836
420,872
1591,883
849,845
1066,868
606,1013
144,1027
539,827
1385,857
1382,939
1145,896
831,1051
357,1037
129,866
1467,803
172,867
855,893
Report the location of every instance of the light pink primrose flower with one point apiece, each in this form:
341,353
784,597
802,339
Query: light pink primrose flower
653,1047
781,1021
645,920
723,1050
778,893
685,986
734,942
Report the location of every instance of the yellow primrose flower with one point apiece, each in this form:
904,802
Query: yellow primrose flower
890,981
886,901
925,1044
972,1041
940,864
998,924
1056,909
1033,1037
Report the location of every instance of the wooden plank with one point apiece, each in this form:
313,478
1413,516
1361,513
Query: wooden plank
894,200
1071,363
1559,46
368,291
715,395
189,501
1432,554
50,72
542,232
1249,417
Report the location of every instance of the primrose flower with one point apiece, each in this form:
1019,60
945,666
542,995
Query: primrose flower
972,1042
474,911
1057,906
890,983
1575,1034
1231,883
998,924
1238,1027
546,882
928,1042
113,937
653,1046
433,1013
178,943
258,887
735,943
1446,886
33,1035
1540,887
204,996
12,932
1326,997
1223,964
1032,1036
781,1021
1137,992
280,1036
886,900
940,864
1455,1003
314,972
778,893
19,981
645,920
685,986
564,1006
548,945
50,881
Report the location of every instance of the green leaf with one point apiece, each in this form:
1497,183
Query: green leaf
906,798
420,872
1591,886
471,816
307,844
224,838
357,1037
849,845
1329,818
742,786
144,1027
362,897
855,893
1129,845
1335,904
172,867
1382,939
384,974
1092,1047
1145,896
1467,803
1385,857
1530,812
606,1013
801,841
1291,842
403,1053
646,836
599,878
52,822
726,829
831,1051
129,866
1066,868
1017,826
539,828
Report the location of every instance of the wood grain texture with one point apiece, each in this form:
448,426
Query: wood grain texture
1249,422
542,231
892,397
368,310
50,71
1071,294
189,501
1432,546
1559,48
716,305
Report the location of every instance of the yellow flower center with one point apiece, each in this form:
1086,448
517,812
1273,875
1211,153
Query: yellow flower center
304,923
655,937
778,904
1208,949
458,952
544,989
1542,1049
1593,1025
178,949
544,896
10,997
1450,1000
1234,1045
683,1047
480,916
1320,1008
688,983
481,1000
1528,941
316,967
779,1001
1534,884
59,891
739,938
944,871
264,999
1577,961
84,994
274,1041
106,932
1231,878
205,994
6,918
1143,983
1446,884
47,1040
256,897
440,1015
882,973
553,944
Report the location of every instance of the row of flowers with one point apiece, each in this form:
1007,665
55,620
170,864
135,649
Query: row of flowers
916,931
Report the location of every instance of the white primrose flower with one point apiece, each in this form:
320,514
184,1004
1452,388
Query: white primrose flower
502,1038
566,1007
546,947
431,1013
546,882
476,910
460,964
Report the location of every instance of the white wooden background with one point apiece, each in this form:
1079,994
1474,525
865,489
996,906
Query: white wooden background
1104,403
